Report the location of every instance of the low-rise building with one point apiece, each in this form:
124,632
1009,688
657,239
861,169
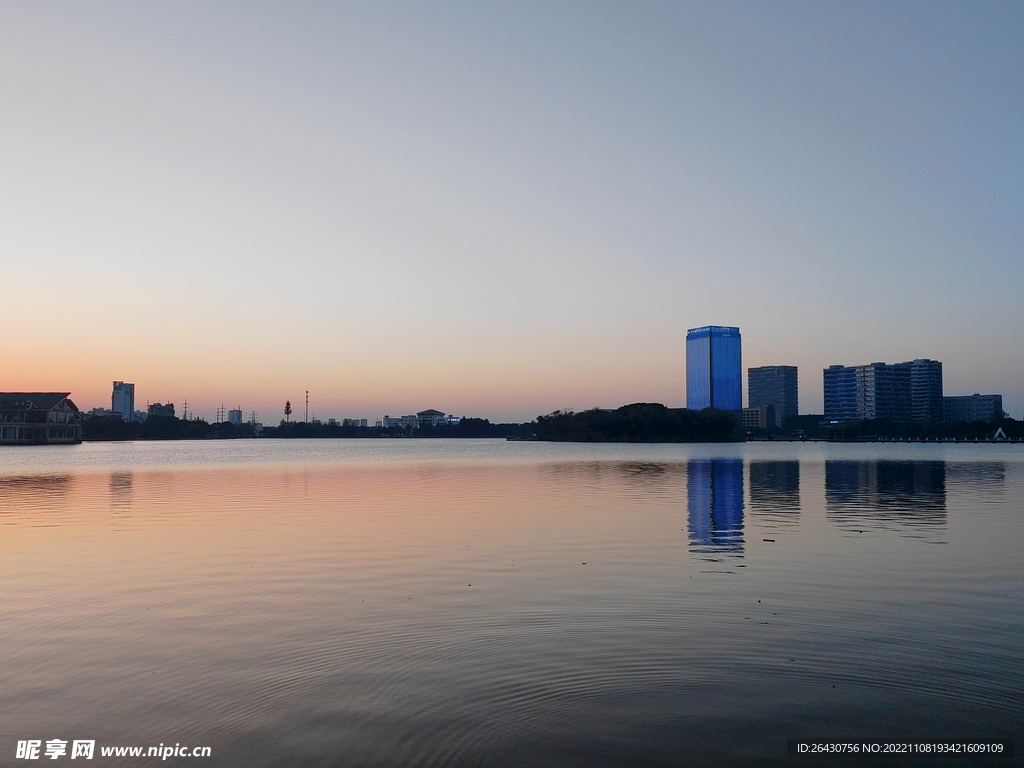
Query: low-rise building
759,417
972,408
28,418
430,418
405,422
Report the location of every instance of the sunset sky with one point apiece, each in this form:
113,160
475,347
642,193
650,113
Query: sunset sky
499,209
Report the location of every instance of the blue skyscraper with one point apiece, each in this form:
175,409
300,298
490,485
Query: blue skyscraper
714,371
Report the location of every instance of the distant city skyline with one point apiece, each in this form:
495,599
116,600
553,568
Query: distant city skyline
504,210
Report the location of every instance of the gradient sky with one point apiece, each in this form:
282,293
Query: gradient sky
499,209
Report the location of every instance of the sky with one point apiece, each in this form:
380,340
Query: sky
500,209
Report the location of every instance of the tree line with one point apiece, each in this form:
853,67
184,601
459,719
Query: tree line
639,423
172,428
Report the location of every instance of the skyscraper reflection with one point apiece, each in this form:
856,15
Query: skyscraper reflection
775,486
715,499
886,494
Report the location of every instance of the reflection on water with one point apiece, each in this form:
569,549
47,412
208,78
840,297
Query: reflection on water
775,492
34,493
516,612
886,494
984,479
714,490
121,489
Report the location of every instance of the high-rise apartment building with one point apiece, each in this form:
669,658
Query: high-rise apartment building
903,392
925,390
774,385
883,392
122,400
840,393
714,372
873,391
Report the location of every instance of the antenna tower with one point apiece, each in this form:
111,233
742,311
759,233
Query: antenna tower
307,406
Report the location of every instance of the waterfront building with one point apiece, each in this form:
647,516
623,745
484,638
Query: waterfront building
122,400
883,392
840,393
714,377
158,409
873,391
235,416
39,418
973,407
925,390
774,385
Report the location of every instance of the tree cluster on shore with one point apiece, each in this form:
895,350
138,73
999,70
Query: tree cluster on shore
964,430
466,428
99,428
639,423
160,428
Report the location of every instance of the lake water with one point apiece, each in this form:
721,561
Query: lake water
435,603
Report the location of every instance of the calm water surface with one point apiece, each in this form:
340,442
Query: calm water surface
434,603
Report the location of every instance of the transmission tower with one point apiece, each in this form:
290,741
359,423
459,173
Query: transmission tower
220,414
